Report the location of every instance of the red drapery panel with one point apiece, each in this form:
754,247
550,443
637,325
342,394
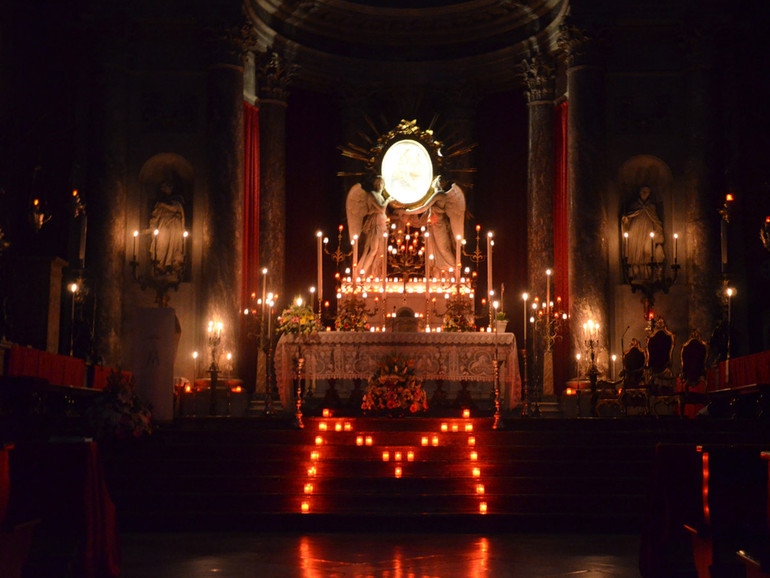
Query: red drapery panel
57,369
746,370
560,240
250,201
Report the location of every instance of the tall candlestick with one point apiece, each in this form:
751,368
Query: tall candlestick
458,245
525,296
354,242
490,286
385,266
676,241
319,250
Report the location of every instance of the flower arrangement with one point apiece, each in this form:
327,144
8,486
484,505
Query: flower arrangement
458,314
351,314
394,389
298,319
501,316
119,413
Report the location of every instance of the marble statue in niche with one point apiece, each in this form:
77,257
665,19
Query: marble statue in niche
642,230
167,225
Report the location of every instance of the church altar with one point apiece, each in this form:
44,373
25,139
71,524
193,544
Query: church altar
448,356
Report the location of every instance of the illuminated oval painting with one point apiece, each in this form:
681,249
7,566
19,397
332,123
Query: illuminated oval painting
407,170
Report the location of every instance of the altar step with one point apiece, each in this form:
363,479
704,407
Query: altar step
536,474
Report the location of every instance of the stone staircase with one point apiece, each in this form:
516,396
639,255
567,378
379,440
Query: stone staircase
452,473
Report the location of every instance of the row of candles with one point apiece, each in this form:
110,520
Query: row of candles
406,244
155,234
652,246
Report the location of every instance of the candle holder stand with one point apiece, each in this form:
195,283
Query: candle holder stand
593,374
525,408
299,376
655,279
214,341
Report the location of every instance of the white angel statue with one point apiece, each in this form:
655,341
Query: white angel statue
367,219
446,221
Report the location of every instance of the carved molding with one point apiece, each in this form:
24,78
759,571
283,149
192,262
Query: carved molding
538,76
574,44
274,76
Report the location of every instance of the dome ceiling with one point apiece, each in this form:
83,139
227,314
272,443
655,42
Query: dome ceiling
406,42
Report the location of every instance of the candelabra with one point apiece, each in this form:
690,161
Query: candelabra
215,339
338,255
650,278
591,347
406,253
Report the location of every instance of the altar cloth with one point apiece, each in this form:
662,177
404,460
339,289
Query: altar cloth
455,356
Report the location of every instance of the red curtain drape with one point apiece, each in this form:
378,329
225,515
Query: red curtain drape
250,201
561,241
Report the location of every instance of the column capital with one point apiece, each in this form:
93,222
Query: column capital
274,75
574,44
538,75
231,44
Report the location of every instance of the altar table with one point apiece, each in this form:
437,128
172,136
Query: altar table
450,357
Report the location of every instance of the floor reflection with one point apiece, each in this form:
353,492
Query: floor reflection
378,555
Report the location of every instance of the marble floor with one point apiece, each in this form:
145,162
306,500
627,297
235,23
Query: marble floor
331,555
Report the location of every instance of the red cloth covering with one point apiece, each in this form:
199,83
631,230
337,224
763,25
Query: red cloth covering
56,369
250,273
63,485
561,359
101,374
745,370
23,361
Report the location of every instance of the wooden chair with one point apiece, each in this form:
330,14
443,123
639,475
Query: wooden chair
660,348
633,393
692,379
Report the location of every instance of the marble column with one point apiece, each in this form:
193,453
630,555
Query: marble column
701,247
538,76
588,251
274,76
223,236
107,193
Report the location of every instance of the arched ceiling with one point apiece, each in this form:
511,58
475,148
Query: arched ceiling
406,43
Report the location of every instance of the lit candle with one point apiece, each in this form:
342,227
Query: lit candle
155,234
184,242
136,234
676,241
652,246
625,245
525,296
612,367
548,293
319,250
